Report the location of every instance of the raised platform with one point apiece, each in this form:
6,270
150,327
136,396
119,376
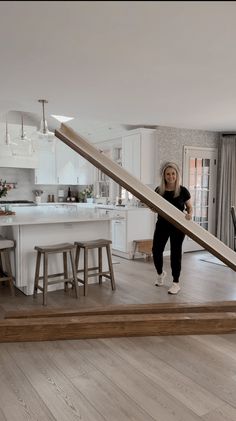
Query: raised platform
118,321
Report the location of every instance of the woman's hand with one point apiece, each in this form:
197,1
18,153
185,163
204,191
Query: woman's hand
188,216
189,209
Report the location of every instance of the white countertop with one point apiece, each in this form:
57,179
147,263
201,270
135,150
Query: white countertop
54,213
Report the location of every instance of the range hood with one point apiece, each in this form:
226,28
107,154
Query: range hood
18,162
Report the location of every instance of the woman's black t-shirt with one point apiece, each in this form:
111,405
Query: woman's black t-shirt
179,201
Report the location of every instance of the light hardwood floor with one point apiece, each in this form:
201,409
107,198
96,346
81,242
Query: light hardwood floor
163,378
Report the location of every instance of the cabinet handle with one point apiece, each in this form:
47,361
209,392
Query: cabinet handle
58,180
77,180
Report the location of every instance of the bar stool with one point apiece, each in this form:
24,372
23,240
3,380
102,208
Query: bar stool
49,250
5,247
90,245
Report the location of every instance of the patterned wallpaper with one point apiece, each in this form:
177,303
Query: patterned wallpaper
171,142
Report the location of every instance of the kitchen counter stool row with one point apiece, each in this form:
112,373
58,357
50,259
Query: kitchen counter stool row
70,252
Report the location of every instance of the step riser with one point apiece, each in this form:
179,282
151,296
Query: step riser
62,330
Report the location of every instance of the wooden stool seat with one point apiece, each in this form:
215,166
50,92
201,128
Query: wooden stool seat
143,246
6,276
63,248
97,270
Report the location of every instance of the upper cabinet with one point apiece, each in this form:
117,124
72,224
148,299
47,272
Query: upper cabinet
87,171
67,169
61,165
45,173
138,151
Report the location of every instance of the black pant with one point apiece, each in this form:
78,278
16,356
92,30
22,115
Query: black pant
164,230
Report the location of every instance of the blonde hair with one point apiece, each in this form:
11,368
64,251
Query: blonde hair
162,187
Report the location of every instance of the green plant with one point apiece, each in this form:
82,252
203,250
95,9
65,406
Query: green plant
88,191
4,188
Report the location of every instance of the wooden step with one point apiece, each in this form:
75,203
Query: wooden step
118,325
152,308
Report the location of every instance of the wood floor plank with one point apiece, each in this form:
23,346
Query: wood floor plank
63,400
185,390
2,416
219,344
189,364
106,397
18,399
156,401
224,413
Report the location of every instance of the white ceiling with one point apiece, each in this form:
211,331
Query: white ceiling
121,63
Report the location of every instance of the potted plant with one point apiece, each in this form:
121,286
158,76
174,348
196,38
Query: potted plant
88,193
4,188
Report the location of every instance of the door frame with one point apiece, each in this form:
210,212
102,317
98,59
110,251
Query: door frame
204,153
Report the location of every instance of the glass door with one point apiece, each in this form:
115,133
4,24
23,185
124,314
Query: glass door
200,170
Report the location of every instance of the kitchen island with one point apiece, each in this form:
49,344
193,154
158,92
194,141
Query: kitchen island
47,225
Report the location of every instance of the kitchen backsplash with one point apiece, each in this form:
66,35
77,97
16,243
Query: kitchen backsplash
25,185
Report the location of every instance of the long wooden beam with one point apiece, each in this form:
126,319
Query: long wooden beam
147,195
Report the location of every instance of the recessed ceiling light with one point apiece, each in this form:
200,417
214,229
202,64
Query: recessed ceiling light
62,118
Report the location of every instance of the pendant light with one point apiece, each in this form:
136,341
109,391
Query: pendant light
6,148
43,132
24,144
23,137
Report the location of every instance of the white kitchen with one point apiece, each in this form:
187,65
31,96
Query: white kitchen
50,184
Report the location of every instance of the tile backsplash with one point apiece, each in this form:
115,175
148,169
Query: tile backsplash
25,185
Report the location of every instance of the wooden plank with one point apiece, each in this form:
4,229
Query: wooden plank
152,308
102,326
147,195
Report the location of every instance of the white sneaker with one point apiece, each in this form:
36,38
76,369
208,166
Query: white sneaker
160,279
174,289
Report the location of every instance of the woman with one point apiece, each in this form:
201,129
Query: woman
178,196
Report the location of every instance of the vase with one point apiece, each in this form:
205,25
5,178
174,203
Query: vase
37,199
89,200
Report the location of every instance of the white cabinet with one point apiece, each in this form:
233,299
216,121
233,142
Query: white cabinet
87,171
45,173
59,164
137,224
67,169
138,154
119,235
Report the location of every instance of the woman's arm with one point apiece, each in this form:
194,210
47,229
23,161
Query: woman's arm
189,209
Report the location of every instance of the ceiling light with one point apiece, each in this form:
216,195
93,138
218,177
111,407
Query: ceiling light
23,137
8,143
43,132
62,118
24,144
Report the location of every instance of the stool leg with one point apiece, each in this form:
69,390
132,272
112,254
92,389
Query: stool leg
75,283
77,258
134,250
109,258
9,272
65,268
36,278
45,278
1,266
85,271
100,264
